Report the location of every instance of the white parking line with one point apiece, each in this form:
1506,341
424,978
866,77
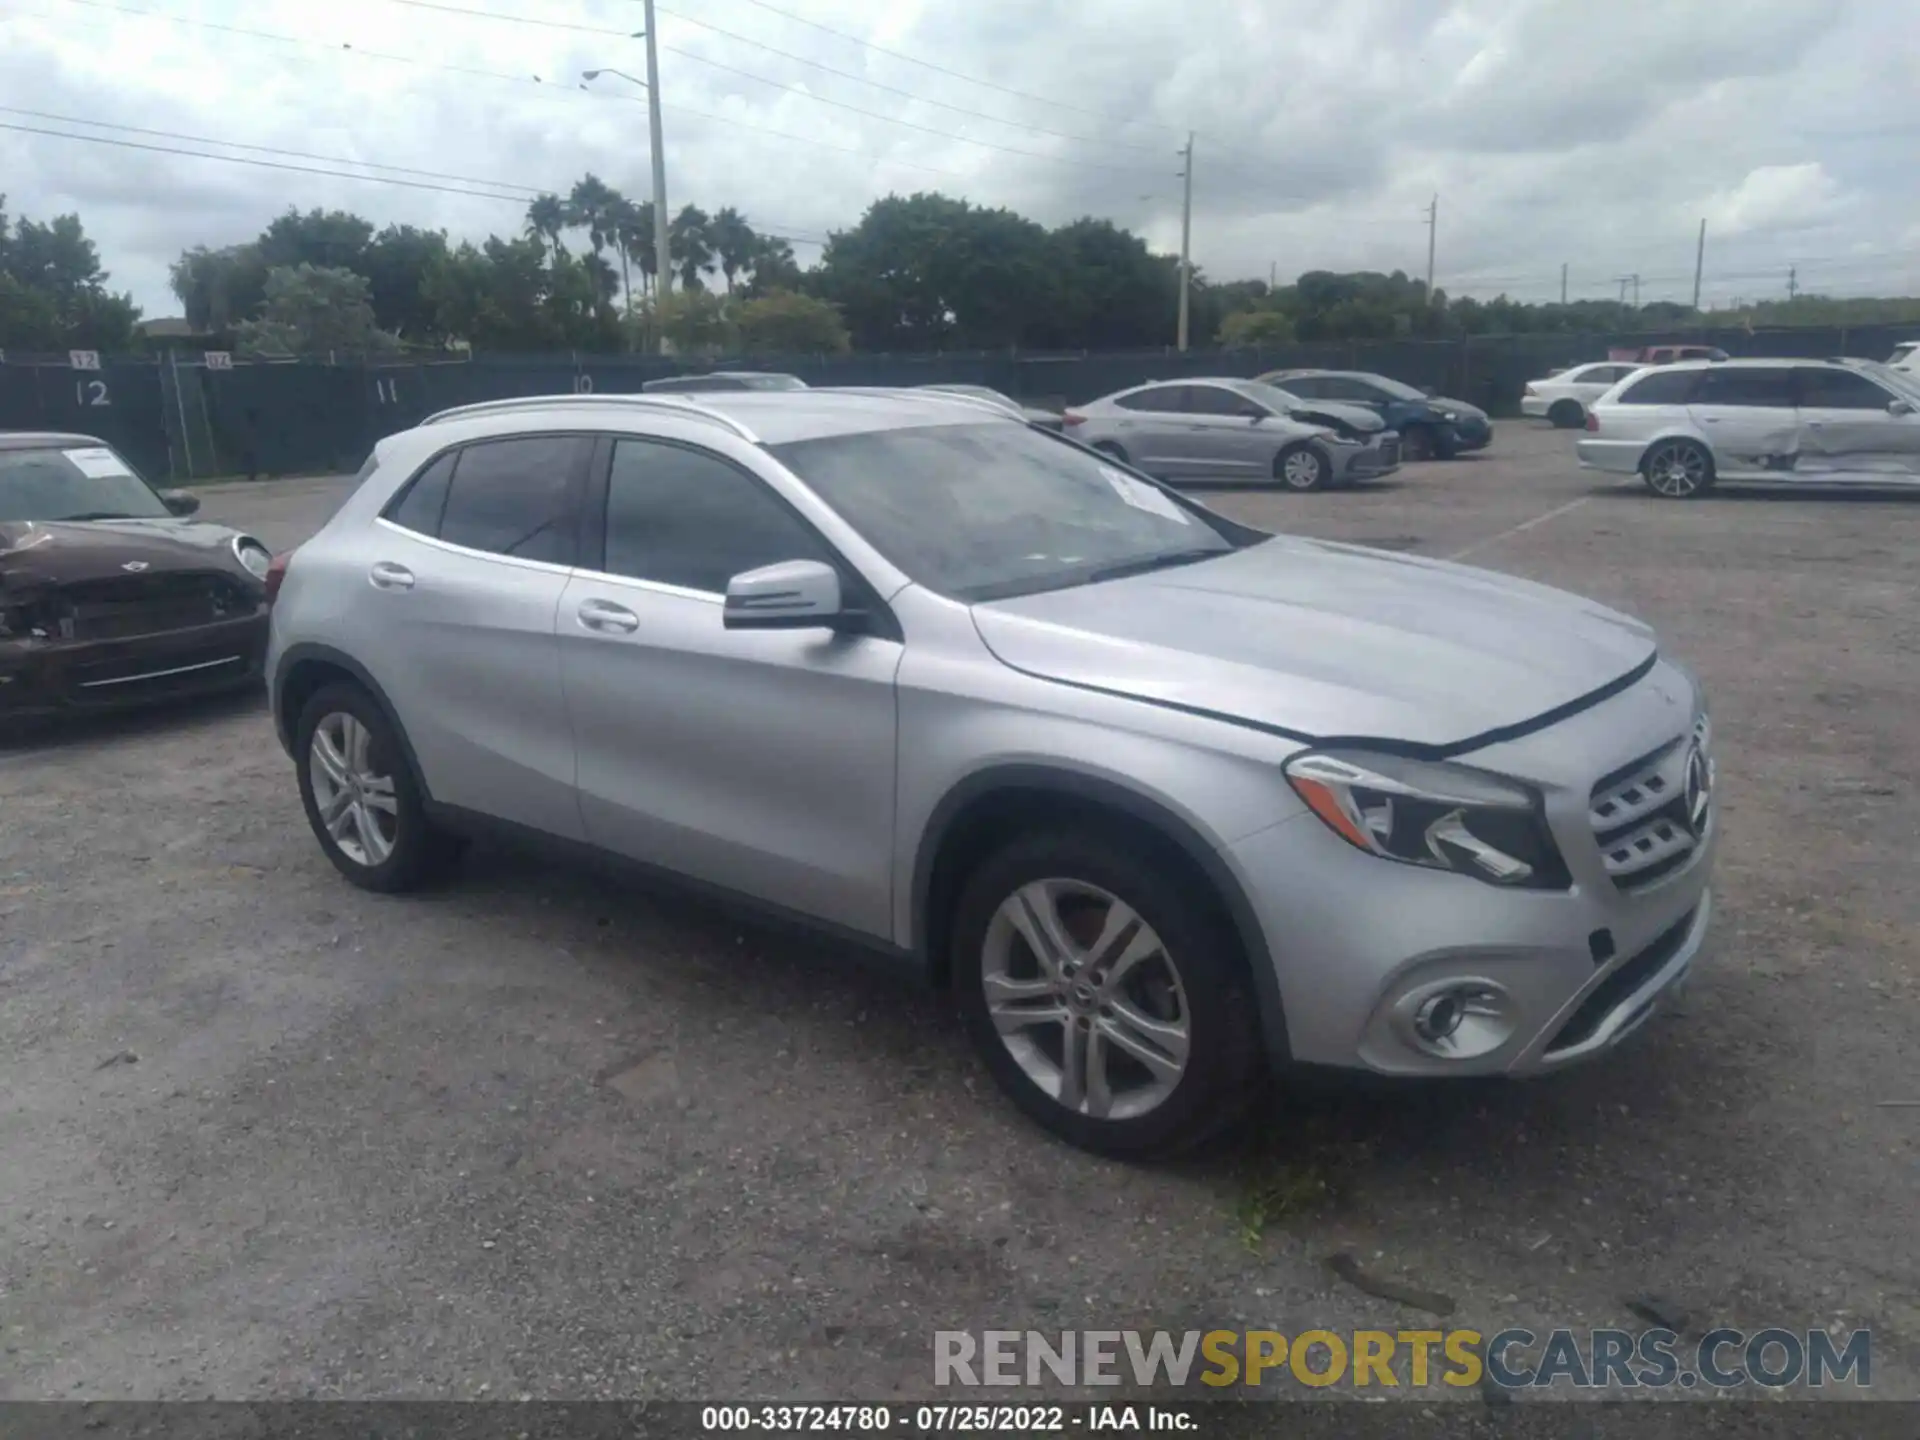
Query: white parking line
1523,525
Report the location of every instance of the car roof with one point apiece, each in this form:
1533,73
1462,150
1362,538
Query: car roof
42,439
766,417
1748,362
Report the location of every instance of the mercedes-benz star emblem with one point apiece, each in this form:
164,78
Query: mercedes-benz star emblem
1699,789
136,566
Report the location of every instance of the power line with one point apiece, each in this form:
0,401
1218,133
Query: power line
800,90
896,90
930,65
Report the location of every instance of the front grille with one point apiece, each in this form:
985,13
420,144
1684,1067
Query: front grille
125,608
1650,818
1614,991
1389,452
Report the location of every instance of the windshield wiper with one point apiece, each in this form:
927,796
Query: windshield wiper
97,515
1165,561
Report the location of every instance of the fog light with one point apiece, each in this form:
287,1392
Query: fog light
1439,1015
1460,1019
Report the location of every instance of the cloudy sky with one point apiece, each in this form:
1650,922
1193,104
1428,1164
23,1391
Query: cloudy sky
1554,131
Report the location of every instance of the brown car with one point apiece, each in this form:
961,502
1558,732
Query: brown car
109,596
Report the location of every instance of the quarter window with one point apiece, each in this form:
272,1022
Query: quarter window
1840,390
1663,387
683,517
514,497
419,509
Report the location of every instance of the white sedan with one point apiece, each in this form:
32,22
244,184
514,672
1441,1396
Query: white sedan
1564,398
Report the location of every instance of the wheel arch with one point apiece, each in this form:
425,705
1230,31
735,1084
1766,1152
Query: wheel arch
991,805
300,674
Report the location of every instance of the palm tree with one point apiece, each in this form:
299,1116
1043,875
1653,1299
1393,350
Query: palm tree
591,205
546,220
692,249
633,236
733,241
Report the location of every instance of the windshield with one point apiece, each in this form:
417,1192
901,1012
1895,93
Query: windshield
978,392
985,511
1395,388
83,483
771,382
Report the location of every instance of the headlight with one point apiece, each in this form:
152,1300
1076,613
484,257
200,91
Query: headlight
252,554
1450,416
1443,817
1343,437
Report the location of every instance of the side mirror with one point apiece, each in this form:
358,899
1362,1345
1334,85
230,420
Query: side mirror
793,595
1428,391
1253,413
1898,406
180,502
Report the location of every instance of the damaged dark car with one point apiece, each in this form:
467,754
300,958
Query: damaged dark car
110,596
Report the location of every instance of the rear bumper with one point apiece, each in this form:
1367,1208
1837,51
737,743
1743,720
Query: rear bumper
1535,405
1618,457
40,678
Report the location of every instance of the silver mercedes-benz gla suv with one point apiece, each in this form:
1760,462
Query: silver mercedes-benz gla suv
1165,800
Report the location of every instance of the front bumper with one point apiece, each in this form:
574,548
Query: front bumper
1362,946
1380,455
1468,433
1617,457
42,678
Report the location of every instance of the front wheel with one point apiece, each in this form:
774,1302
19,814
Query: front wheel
1302,467
1107,1000
1678,469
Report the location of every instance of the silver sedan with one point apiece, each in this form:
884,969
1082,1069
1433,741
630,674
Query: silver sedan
1231,431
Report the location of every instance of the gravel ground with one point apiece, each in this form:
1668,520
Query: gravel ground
268,1136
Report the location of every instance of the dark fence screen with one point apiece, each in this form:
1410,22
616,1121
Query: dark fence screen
177,419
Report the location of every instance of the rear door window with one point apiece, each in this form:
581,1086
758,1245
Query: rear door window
515,497
1160,400
1213,400
1746,385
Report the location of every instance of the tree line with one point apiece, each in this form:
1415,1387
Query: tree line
915,273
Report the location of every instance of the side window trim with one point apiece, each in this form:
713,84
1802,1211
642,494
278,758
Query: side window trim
576,490
593,532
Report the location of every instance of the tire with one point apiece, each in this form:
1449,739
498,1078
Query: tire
1566,414
1302,467
408,850
1076,877
1677,469
1416,443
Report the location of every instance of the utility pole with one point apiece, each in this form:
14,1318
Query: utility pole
1563,282
1633,280
1273,275
664,275
1793,281
1186,235
1699,260
1433,229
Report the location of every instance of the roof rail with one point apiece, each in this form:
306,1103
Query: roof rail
915,392
665,404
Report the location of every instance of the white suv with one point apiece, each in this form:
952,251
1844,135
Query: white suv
1681,427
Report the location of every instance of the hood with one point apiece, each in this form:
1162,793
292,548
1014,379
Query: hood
63,552
1324,640
1333,415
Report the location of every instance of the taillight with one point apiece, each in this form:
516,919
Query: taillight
1527,391
1072,418
1593,423
276,572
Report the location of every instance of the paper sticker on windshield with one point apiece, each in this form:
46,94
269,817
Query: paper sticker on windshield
97,463
1142,496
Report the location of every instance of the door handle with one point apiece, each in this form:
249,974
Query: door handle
607,617
386,575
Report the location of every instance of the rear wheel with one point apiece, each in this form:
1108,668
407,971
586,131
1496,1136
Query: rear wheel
1108,1000
1302,467
360,794
1677,469
1566,414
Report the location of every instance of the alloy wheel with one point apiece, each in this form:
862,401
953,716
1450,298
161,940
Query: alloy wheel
355,799
1677,469
1086,999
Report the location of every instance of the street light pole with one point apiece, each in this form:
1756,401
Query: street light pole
1186,236
665,278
